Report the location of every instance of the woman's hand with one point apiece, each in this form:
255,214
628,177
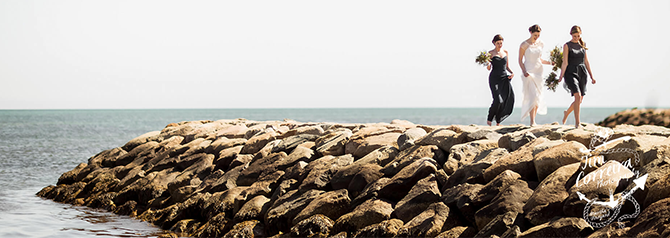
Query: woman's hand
488,66
560,78
510,76
593,81
525,74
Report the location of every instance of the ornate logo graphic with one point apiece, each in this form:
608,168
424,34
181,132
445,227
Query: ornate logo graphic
601,213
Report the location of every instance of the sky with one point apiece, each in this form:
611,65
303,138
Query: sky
81,54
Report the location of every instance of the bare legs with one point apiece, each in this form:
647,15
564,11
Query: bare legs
533,113
576,107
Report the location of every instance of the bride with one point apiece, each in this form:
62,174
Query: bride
531,50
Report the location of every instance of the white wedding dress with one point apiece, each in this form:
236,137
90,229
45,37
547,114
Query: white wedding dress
533,84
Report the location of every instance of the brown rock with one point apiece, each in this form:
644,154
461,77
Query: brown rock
254,209
408,137
333,143
331,204
388,228
256,143
314,226
558,156
547,200
520,161
401,183
362,146
412,154
370,212
474,172
564,227
459,231
427,224
286,208
418,199
248,229
463,154
442,138
499,225
653,221
510,199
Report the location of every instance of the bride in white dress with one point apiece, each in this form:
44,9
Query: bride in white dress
531,51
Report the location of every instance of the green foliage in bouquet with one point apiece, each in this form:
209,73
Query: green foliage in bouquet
556,57
483,58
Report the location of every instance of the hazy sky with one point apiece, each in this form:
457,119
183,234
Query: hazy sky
293,54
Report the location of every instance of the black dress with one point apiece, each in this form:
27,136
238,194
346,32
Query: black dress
501,90
575,74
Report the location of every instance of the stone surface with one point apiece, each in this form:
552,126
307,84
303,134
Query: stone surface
371,212
558,156
563,227
315,226
418,199
547,200
428,223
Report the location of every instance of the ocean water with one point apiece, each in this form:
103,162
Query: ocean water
37,146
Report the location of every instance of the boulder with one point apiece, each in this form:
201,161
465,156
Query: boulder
519,161
333,143
463,154
388,228
289,143
256,143
442,138
360,147
408,137
365,176
563,227
332,204
286,208
401,183
510,199
657,191
474,172
247,229
558,156
514,141
370,212
428,223
547,200
654,221
258,167
412,154
254,209
315,226
314,130
224,143
320,171
417,200
381,156
546,145
459,231
226,156
499,225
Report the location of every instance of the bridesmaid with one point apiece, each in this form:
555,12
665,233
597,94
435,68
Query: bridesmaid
573,70
499,82
531,50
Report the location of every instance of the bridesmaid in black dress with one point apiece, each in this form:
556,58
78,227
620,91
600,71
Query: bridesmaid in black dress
499,82
575,65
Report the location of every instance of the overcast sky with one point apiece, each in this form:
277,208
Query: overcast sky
294,54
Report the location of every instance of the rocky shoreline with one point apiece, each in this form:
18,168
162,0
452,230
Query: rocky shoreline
242,178
638,117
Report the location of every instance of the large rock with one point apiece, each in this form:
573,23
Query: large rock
254,209
256,143
442,138
412,154
247,229
459,231
360,147
314,226
563,227
289,143
422,195
514,141
286,208
464,154
547,200
510,199
408,137
381,156
319,172
427,224
551,159
370,212
401,183
657,191
258,167
474,172
333,143
654,221
499,225
520,161
331,204
388,228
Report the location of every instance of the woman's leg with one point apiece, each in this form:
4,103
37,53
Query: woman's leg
533,113
567,112
577,107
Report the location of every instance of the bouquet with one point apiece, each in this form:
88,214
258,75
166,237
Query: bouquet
483,58
556,57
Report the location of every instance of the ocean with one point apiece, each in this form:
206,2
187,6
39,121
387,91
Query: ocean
37,146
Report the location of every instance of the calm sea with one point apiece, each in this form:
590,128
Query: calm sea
37,146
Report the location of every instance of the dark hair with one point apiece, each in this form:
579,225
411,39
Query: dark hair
534,28
577,29
497,38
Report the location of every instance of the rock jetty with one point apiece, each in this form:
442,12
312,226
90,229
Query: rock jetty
638,117
242,178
